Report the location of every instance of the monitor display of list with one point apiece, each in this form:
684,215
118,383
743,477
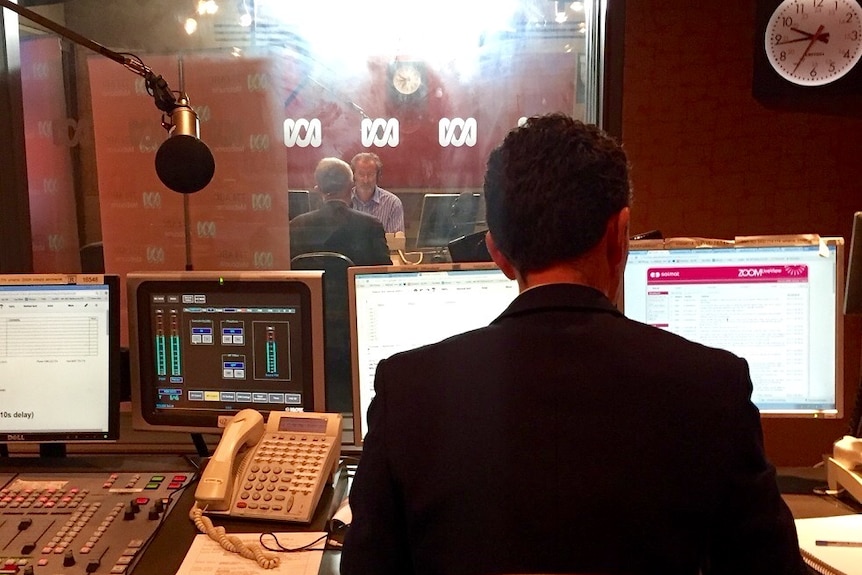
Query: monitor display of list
776,305
399,308
59,352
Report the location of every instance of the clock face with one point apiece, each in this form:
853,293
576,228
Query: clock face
407,79
814,42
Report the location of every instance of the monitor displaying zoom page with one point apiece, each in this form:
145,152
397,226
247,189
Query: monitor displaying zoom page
59,358
395,308
777,305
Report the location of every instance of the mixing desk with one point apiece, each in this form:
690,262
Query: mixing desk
74,523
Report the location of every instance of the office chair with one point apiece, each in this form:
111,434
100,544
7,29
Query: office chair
339,387
469,248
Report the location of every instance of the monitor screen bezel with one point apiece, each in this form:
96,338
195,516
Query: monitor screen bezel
352,272
853,288
308,284
837,243
112,434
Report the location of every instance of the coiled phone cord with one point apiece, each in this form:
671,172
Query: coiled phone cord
232,543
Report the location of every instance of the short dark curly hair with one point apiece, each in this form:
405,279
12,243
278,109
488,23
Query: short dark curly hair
550,189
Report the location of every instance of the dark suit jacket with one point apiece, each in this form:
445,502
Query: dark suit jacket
336,227
565,437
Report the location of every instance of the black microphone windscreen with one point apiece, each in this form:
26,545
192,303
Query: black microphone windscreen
184,164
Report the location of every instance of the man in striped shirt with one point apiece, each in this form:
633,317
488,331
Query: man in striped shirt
371,199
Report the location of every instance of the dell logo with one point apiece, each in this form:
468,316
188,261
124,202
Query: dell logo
14,437
457,132
379,132
302,133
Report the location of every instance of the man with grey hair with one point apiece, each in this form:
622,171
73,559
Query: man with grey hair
336,227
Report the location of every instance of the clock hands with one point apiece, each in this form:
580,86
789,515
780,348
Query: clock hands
805,36
814,37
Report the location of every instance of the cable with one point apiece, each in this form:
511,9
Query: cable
408,262
232,543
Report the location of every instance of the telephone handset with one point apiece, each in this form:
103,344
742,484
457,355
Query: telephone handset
279,477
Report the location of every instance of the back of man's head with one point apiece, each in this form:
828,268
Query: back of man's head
550,189
333,177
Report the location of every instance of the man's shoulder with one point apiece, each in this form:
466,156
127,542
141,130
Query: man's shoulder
388,195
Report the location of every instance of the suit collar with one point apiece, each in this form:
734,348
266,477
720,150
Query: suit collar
572,297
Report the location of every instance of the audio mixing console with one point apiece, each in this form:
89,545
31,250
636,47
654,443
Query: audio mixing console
78,523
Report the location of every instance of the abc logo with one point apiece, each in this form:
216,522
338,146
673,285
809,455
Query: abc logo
457,132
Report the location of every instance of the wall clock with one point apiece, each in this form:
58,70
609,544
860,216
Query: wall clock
807,55
407,81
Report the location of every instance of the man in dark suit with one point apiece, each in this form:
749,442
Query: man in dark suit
336,227
565,437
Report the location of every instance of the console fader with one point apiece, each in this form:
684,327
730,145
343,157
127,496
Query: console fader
77,523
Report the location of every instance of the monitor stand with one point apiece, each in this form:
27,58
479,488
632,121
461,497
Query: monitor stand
52,450
200,445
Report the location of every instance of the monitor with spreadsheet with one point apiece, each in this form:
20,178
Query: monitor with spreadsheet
205,345
59,358
776,302
395,308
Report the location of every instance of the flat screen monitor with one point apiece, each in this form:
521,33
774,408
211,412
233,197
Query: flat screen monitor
445,217
298,203
774,303
395,308
59,358
204,345
853,290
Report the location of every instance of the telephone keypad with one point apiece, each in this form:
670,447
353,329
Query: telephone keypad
285,472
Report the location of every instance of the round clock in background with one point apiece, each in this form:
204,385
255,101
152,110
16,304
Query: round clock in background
807,55
407,82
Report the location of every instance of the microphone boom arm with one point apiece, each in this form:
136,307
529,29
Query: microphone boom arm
157,87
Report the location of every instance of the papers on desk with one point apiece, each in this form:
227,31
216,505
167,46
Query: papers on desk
828,544
206,557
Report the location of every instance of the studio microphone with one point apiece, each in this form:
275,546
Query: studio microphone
184,163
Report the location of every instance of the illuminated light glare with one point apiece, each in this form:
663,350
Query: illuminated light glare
236,52
191,26
245,20
577,6
463,24
207,7
561,17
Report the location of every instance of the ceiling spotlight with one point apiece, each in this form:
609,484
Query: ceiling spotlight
245,20
207,7
577,6
191,26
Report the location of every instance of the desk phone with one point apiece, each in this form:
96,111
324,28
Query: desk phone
277,471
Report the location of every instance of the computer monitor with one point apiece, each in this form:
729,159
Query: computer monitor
445,217
774,301
205,345
298,203
59,359
395,308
